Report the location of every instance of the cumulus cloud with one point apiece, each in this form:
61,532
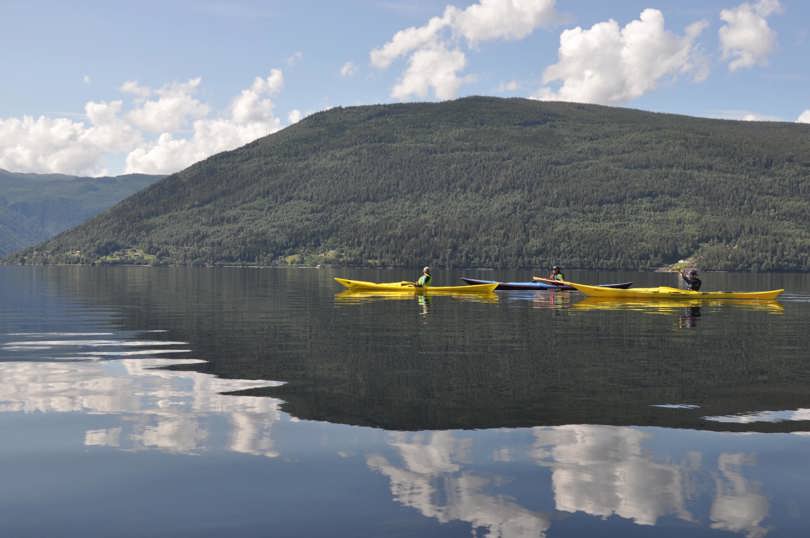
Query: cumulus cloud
348,69
135,89
746,39
187,132
804,117
108,131
61,145
435,48
608,64
435,69
251,117
406,41
173,108
501,19
170,153
251,105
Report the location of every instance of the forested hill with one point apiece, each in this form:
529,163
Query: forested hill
35,207
477,182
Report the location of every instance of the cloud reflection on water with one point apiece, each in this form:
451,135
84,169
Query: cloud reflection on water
601,471
432,480
738,506
167,410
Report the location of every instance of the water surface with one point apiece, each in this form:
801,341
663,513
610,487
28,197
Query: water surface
263,402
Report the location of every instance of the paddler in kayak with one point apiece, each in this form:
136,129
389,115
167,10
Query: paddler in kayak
691,280
424,280
556,274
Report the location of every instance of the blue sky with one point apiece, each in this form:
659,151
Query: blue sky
108,87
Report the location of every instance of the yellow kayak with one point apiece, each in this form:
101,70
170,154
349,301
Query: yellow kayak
666,292
409,287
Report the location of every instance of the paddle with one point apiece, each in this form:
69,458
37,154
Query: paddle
548,281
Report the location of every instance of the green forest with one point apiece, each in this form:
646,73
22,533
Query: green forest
476,182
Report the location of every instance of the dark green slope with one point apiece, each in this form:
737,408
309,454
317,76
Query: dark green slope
35,207
478,182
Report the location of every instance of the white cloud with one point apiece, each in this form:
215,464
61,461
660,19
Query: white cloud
609,64
46,145
169,154
746,39
406,41
251,117
501,19
804,117
109,131
62,145
435,49
133,88
174,107
295,57
294,116
432,69
70,146
251,105
348,69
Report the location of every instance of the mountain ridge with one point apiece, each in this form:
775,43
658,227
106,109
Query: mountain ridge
35,207
478,181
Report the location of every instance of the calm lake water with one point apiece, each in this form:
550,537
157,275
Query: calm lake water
263,402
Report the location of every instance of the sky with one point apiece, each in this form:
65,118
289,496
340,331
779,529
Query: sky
111,87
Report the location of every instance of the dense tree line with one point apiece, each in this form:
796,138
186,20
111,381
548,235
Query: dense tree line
477,182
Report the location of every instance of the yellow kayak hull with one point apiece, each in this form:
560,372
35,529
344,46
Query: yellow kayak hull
666,292
408,287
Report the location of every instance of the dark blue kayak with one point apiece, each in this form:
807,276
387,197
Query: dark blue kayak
536,285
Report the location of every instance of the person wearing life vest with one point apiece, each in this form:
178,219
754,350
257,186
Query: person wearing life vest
424,280
690,279
556,274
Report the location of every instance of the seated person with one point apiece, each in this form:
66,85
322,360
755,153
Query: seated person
556,274
691,279
424,280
